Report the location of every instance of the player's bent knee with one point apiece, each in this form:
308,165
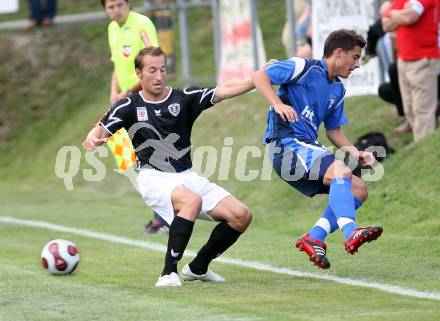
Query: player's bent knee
246,215
195,202
243,217
345,172
337,170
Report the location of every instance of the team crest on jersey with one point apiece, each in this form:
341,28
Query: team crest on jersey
126,50
142,114
174,109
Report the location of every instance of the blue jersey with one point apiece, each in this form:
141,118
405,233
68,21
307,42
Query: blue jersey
305,86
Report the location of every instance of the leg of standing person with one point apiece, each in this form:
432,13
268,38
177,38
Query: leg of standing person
286,40
187,205
405,91
390,92
157,225
394,80
49,12
420,79
425,97
35,13
397,98
234,219
220,206
438,96
180,198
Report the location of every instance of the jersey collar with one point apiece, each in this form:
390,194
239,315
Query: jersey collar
157,102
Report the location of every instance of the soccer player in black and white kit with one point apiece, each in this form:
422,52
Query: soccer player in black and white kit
159,120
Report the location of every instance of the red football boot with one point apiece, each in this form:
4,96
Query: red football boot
315,249
361,235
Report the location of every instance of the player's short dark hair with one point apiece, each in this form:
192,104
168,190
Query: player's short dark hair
148,51
104,1
342,38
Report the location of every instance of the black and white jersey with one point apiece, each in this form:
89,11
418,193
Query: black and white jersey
160,131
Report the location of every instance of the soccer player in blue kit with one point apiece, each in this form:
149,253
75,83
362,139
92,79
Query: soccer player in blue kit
310,93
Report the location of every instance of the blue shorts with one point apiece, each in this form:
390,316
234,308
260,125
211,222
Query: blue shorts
302,164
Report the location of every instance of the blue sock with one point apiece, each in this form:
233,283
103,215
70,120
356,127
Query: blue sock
320,233
325,225
348,228
341,199
331,218
342,203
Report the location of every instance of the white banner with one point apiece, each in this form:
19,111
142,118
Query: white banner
237,55
8,6
358,15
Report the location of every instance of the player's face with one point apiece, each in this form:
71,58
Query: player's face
117,10
347,61
153,74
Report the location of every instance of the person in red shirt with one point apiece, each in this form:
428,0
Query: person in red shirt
416,26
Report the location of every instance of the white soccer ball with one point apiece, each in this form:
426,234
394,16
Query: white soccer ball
60,257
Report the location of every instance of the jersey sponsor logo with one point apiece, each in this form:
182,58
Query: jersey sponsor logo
174,109
307,113
158,112
142,114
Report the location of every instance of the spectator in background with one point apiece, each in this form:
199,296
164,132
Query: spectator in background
128,33
382,44
416,24
42,12
390,92
303,30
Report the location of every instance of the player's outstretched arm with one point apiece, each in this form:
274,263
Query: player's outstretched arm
232,88
96,137
264,87
340,140
236,87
